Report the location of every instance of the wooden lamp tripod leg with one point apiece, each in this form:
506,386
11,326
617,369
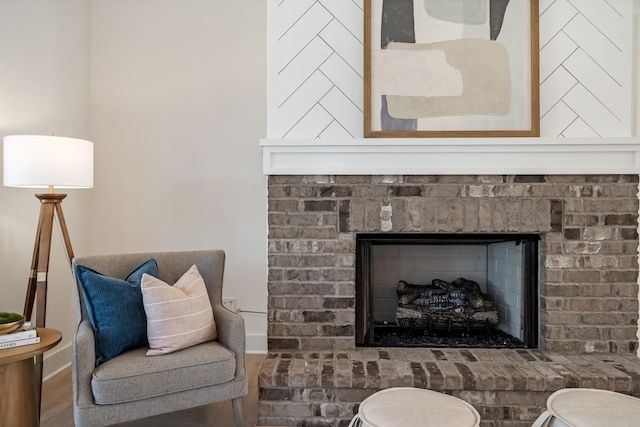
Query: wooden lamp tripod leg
65,233
38,277
31,285
51,204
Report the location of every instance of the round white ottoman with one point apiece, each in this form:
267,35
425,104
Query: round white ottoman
414,407
586,407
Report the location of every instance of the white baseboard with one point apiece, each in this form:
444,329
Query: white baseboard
256,343
56,360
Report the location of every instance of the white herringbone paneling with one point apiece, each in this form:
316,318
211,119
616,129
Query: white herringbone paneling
603,16
597,81
555,53
301,101
558,118
554,18
312,123
297,37
578,129
345,45
592,111
345,78
315,69
286,14
343,110
597,45
585,67
300,68
344,11
316,51
554,88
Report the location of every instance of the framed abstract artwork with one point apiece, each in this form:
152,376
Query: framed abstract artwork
451,68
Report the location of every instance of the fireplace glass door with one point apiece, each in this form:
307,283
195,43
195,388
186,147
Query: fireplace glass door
447,290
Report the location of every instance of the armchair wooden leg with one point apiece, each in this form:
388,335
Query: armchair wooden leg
237,411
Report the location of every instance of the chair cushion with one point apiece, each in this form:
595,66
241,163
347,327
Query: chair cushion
115,309
178,316
133,376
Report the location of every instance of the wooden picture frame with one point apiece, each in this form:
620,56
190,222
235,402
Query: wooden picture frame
451,68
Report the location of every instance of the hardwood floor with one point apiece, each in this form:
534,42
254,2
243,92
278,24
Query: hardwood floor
57,406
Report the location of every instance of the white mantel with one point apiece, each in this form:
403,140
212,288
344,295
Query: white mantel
451,156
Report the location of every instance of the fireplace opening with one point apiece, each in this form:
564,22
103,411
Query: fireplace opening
447,290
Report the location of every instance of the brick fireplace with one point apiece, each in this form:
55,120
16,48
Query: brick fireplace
588,293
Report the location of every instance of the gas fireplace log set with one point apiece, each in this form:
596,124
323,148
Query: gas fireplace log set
434,302
442,305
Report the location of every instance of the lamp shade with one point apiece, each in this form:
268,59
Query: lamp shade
36,161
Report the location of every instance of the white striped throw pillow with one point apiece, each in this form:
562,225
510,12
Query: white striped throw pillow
178,316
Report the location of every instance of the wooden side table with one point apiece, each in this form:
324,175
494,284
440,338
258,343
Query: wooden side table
19,388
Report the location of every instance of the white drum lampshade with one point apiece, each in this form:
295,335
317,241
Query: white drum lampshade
37,161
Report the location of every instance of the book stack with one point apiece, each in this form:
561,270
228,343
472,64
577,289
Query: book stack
26,335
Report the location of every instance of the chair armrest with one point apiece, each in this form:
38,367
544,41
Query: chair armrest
231,334
83,356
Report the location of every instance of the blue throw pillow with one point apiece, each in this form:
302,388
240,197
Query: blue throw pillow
115,309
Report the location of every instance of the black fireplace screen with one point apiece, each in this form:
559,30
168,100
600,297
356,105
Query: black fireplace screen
410,291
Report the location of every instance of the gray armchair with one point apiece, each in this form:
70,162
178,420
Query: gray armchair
132,385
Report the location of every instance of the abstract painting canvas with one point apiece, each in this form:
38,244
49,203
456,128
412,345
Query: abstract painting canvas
451,68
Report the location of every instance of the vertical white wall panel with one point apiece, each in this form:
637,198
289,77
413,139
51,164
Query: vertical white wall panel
636,69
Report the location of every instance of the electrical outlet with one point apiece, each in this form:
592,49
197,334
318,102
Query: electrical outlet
229,303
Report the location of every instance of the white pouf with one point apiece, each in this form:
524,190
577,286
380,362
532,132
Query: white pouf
585,407
546,419
413,407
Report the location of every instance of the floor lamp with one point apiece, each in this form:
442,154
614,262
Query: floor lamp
34,161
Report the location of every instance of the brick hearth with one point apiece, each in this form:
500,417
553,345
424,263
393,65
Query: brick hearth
588,290
507,387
